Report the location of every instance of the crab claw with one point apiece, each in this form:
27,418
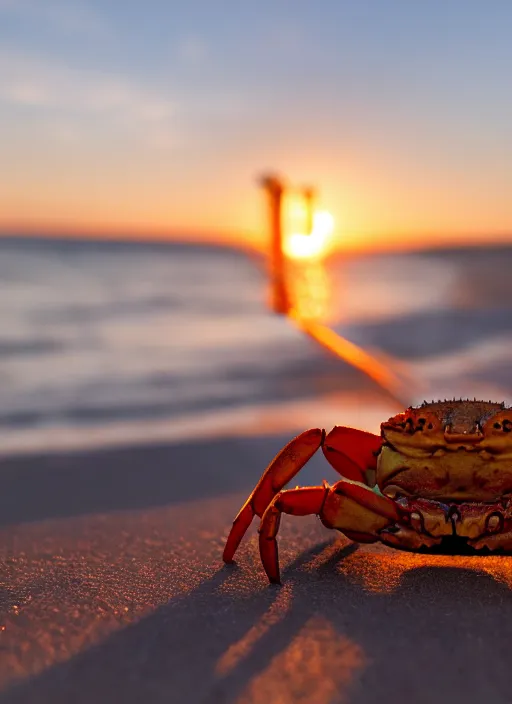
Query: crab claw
351,452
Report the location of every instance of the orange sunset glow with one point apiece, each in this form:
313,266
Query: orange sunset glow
398,123
378,214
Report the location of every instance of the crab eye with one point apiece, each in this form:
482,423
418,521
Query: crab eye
498,425
410,426
419,424
428,422
412,422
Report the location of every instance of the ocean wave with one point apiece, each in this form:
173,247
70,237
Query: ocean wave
30,347
101,333
433,332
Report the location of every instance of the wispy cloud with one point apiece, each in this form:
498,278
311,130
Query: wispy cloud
67,16
66,92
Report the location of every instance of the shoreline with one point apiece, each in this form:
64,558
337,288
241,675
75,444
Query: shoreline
365,409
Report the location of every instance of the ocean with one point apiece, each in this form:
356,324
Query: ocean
100,338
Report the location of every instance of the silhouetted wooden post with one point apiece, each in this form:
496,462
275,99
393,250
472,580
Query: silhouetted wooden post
309,194
377,370
275,189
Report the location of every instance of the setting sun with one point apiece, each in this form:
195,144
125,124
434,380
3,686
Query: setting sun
315,244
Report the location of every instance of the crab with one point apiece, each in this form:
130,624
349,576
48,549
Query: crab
439,474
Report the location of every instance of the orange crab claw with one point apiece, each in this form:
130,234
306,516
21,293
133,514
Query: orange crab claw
364,497
352,451
279,472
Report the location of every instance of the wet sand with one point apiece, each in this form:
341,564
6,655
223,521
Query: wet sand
112,589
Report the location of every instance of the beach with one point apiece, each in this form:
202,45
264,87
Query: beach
114,590
131,438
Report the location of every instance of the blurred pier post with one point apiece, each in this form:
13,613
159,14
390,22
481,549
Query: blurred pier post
309,195
274,188
379,370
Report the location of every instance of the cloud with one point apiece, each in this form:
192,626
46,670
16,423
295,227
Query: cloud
69,16
49,87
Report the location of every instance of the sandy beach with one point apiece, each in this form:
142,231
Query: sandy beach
113,589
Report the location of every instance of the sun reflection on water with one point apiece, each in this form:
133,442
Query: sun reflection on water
311,291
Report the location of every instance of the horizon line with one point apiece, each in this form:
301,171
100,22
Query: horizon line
370,243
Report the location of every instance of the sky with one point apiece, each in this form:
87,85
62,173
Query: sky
156,119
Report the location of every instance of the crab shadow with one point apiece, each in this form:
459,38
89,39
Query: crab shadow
440,634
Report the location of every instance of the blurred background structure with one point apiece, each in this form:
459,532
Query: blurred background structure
277,266
300,290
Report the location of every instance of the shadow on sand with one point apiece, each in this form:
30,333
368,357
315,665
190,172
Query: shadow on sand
441,634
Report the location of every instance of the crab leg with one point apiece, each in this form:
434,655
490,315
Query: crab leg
298,502
349,451
287,463
350,507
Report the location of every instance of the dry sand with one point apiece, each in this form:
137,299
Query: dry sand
112,589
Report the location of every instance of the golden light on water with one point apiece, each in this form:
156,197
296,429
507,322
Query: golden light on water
316,244
307,238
